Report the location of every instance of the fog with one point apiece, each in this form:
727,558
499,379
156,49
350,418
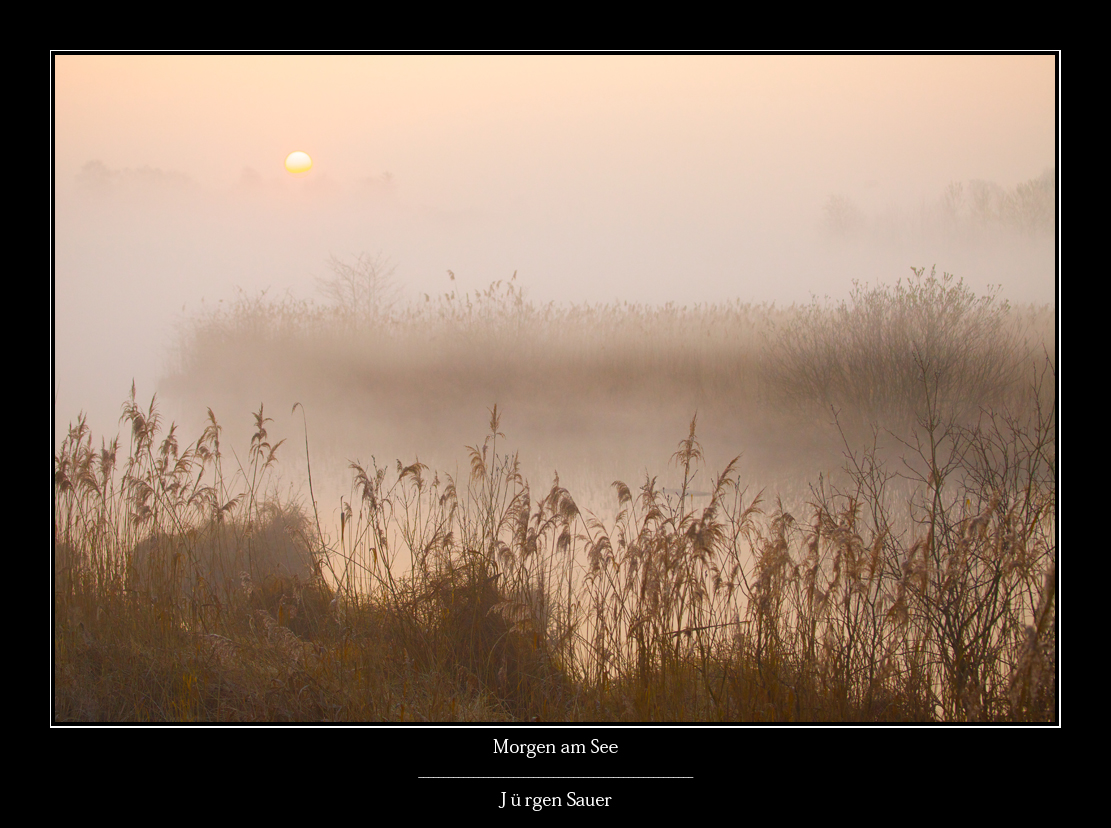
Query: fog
648,180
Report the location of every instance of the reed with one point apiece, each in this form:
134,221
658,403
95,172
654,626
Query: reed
919,585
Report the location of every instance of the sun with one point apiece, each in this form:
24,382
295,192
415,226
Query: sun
298,162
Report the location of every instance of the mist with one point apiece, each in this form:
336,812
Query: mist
690,180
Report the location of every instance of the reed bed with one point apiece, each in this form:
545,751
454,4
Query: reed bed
918,586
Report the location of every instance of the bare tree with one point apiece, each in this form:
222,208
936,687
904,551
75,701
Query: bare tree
364,290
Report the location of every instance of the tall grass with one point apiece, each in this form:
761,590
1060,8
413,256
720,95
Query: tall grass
917,586
437,601
472,349
859,355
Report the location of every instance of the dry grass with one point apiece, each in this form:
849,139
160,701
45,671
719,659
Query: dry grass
918,587
480,603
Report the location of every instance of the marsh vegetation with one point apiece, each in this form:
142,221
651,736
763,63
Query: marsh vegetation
916,583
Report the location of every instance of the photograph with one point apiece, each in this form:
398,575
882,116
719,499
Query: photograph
552,418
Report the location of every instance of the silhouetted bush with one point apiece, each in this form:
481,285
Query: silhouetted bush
865,357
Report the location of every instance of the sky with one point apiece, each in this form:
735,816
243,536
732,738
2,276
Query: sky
645,179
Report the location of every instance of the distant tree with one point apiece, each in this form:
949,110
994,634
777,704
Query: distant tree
1032,208
843,217
363,291
987,199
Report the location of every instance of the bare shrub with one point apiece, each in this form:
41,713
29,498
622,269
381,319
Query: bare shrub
363,292
864,356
